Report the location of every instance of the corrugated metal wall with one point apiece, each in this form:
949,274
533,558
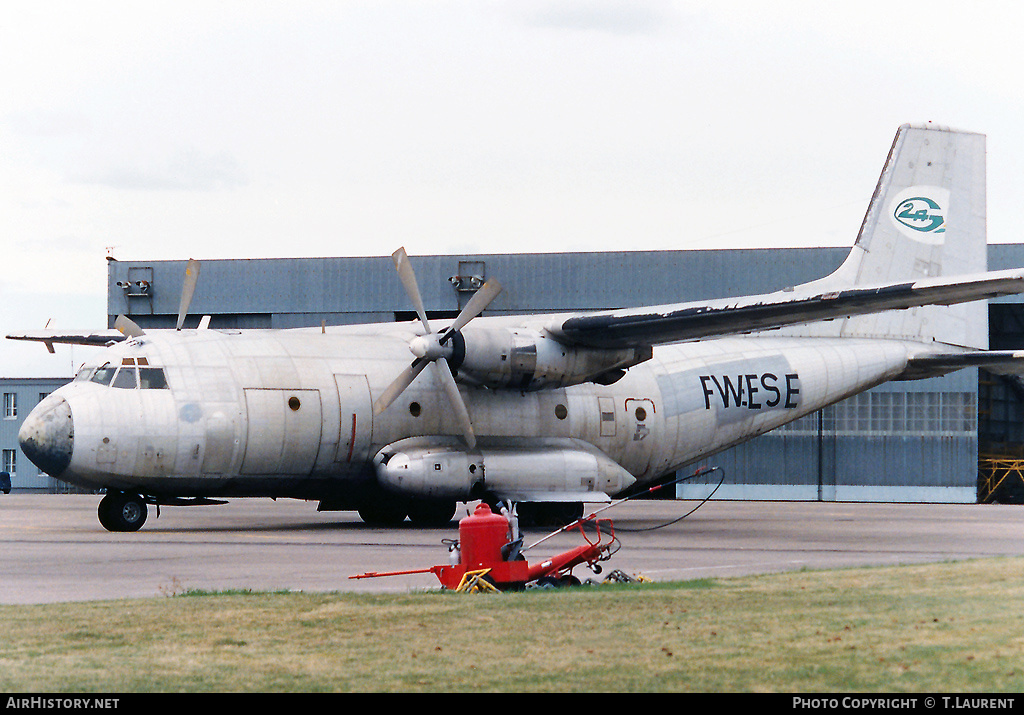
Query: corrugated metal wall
304,291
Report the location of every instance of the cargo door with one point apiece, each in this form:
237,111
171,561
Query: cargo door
282,432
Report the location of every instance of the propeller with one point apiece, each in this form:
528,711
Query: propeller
433,348
130,329
188,289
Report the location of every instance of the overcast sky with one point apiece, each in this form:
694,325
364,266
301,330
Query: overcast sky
169,130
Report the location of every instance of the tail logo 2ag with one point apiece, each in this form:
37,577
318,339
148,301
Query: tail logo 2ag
920,213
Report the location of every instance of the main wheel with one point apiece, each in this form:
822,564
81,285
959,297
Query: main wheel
382,513
120,512
431,513
552,514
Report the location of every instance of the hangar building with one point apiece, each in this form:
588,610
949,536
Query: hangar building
908,441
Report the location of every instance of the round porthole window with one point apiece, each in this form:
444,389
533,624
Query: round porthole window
641,414
293,403
414,409
561,412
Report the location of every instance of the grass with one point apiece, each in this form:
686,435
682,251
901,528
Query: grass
950,627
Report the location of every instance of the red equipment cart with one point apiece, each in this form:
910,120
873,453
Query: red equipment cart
488,557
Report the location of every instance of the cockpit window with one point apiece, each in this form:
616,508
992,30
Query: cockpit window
152,378
103,375
128,376
126,379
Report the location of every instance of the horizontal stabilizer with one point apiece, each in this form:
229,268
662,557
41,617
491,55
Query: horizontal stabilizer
696,320
1003,362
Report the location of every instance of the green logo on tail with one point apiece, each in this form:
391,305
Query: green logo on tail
922,214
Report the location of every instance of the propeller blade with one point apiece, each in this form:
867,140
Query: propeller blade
408,278
188,289
444,374
128,327
476,305
430,351
397,387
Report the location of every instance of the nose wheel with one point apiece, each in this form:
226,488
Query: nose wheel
120,511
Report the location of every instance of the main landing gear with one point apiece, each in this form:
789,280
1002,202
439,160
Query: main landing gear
553,514
425,513
439,513
120,511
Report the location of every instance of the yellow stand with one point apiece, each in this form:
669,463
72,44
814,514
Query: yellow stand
474,582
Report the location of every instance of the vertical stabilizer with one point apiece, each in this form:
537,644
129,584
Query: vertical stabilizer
926,218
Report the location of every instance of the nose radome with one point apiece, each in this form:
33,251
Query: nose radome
47,436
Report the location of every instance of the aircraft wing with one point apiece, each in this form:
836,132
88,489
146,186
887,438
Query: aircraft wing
64,337
691,321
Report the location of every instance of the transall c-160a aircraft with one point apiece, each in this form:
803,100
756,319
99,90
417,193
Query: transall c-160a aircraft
544,411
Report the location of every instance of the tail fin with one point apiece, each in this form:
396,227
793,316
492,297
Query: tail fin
926,219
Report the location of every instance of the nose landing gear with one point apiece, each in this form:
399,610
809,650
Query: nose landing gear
120,511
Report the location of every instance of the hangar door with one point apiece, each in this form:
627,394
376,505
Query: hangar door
283,431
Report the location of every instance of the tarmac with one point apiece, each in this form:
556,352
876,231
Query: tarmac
54,549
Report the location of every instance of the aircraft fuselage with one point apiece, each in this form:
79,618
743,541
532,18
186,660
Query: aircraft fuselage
289,413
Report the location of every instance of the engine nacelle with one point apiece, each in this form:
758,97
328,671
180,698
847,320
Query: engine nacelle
527,359
516,469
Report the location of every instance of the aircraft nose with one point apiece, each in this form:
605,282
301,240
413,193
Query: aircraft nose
47,436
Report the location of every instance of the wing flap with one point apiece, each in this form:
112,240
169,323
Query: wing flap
696,320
